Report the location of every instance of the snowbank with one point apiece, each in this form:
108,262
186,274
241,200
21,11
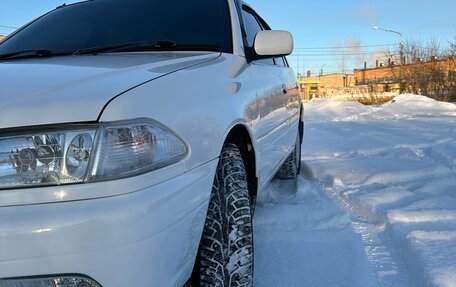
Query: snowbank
403,106
327,109
409,105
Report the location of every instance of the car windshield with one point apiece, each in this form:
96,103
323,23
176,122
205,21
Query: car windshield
102,23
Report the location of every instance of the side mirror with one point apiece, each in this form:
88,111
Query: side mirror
269,44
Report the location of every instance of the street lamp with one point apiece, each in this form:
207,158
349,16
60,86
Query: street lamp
387,30
401,43
401,51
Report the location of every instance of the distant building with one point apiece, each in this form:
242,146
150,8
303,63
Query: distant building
1,37
327,85
422,77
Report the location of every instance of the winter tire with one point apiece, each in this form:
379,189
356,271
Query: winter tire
292,165
225,256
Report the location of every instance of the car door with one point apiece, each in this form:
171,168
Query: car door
293,106
273,84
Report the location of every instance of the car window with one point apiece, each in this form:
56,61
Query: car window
280,62
108,22
263,24
252,27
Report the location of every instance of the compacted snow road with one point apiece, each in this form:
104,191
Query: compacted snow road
304,238
376,204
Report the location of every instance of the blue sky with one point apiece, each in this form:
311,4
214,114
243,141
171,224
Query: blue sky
330,23
335,23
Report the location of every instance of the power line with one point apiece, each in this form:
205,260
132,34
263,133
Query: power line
344,47
326,72
317,60
9,27
335,54
341,49
329,68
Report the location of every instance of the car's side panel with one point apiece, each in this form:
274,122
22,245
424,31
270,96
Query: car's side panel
291,85
278,100
292,130
274,117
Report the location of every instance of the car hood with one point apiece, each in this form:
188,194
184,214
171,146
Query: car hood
73,89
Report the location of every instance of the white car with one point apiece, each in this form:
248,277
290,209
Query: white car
134,137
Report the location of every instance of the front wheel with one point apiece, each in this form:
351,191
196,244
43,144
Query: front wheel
225,256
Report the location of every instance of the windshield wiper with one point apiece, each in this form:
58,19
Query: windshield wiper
26,54
103,49
163,45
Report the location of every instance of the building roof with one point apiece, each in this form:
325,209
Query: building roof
397,65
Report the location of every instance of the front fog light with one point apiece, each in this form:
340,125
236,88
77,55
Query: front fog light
50,281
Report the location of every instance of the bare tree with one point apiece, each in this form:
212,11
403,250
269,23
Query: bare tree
422,72
452,49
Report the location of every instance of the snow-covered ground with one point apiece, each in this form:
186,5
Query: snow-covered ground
375,204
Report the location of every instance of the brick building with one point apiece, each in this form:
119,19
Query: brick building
415,77
435,78
327,85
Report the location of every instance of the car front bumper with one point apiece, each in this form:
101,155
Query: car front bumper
144,238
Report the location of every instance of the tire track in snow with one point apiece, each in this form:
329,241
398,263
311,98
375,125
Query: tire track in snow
383,253
304,238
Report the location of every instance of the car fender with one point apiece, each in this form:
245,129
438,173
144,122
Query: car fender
208,100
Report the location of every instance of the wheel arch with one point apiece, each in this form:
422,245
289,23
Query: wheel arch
241,136
301,123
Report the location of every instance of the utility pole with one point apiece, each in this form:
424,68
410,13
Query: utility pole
343,60
321,69
298,63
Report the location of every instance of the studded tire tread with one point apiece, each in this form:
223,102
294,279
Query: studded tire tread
226,249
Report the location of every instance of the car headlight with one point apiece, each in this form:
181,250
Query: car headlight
50,281
86,153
